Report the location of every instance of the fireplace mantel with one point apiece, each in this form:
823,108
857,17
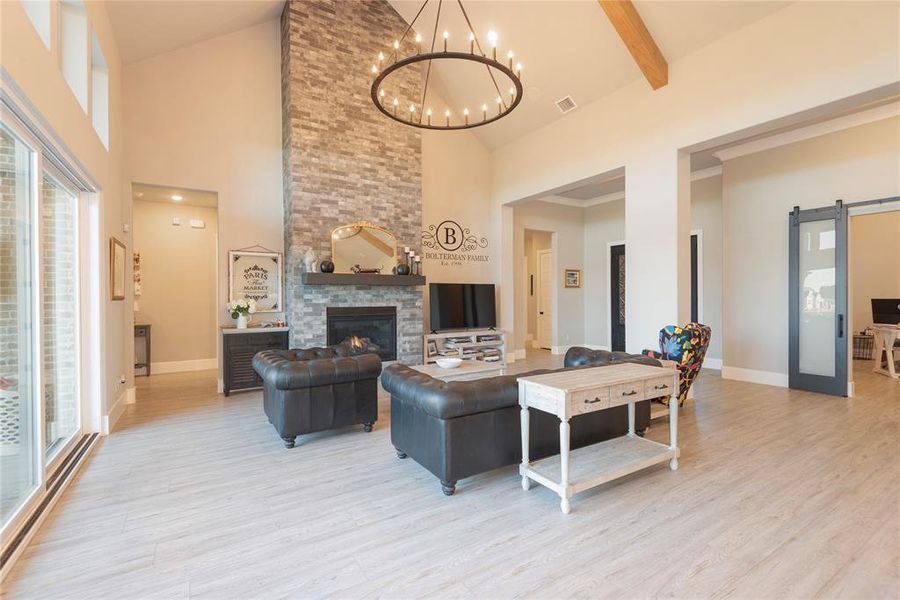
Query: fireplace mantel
360,279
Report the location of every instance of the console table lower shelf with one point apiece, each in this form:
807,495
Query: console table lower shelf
573,393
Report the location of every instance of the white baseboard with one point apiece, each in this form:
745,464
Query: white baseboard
712,363
560,349
220,386
519,354
754,376
130,397
182,366
851,388
108,422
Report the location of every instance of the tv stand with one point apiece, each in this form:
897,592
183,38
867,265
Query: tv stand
486,345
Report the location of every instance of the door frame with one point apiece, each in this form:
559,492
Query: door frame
837,384
552,252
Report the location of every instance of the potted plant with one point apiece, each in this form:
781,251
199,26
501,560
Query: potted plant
241,310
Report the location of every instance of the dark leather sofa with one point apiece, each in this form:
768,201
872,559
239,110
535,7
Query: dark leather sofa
318,389
462,428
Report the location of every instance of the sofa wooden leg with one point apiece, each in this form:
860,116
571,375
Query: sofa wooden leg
448,487
288,441
367,427
400,453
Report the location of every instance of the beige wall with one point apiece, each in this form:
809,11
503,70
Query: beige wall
706,216
34,70
874,263
759,190
178,280
814,53
208,117
603,224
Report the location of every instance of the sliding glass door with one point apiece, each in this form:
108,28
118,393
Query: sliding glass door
40,366
19,460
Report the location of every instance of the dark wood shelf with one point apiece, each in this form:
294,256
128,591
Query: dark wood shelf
360,279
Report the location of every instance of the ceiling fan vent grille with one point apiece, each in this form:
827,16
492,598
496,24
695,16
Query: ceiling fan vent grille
566,105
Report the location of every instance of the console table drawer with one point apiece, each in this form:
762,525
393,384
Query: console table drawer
589,400
659,387
626,392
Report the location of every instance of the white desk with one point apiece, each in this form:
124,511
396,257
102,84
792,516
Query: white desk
575,392
885,338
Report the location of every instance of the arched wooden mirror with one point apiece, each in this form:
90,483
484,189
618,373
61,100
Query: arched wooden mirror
364,245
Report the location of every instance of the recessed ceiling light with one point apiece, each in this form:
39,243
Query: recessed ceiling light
177,198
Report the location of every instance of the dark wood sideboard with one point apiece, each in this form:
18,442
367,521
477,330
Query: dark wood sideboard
239,346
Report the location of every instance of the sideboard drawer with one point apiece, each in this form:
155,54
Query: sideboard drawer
626,392
659,387
588,401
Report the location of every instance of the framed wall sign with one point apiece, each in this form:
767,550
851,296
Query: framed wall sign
256,275
572,277
116,269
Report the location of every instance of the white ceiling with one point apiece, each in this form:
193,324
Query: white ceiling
160,193
145,28
567,47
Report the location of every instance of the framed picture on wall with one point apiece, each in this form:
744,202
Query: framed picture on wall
116,269
258,276
572,277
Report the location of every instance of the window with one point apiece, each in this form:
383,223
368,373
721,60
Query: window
99,91
73,48
38,12
40,292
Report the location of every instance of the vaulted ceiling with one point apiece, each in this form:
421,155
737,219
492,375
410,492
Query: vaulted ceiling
568,48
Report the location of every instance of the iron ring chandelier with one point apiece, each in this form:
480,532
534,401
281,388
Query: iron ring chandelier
419,114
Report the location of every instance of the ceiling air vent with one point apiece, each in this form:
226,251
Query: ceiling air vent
566,105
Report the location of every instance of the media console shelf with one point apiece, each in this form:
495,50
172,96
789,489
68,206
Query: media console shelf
486,345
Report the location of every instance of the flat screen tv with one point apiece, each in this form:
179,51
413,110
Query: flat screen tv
886,311
462,306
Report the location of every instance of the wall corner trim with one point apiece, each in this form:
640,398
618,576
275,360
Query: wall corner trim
108,422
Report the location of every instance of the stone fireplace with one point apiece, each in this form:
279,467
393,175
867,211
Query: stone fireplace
344,161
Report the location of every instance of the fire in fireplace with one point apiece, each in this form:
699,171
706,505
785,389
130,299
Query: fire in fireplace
373,326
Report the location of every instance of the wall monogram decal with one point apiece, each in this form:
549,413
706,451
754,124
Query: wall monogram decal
453,244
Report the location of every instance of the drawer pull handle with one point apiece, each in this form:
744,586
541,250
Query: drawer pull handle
631,393
594,401
660,387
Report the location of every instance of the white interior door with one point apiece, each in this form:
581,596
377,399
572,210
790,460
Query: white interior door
545,299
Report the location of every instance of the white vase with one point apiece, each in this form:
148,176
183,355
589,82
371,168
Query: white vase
242,321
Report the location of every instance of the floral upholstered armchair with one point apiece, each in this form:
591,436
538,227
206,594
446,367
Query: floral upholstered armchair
686,346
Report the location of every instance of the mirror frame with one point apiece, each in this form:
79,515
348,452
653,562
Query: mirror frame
365,224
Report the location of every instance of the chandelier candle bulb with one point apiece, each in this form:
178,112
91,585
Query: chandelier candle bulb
492,39
509,55
381,57
446,35
471,43
374,70
484,111
428,113
447,114
418,43
466,115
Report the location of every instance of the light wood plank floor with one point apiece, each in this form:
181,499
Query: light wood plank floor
779,494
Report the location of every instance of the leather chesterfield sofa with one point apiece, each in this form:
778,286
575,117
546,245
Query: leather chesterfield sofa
317,389
463,428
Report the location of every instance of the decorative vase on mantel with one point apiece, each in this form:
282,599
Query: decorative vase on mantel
242,321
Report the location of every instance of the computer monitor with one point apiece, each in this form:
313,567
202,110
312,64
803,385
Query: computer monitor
886,311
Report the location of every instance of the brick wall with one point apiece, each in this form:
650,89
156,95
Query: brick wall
343,160
10,287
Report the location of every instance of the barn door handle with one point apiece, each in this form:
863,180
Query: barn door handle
840,326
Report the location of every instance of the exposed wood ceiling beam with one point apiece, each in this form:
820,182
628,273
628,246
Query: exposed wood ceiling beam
630,27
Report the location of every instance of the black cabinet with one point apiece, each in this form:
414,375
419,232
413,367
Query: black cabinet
239,348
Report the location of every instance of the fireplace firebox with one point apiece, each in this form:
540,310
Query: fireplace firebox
376,323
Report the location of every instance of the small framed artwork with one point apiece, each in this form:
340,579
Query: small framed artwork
116,269
255,275
432,348
572,278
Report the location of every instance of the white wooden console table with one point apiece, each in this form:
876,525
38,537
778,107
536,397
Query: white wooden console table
570,393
